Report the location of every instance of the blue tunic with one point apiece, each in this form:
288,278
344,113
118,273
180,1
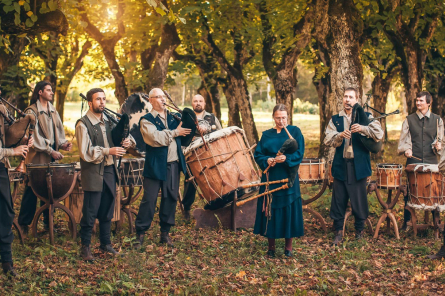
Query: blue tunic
287,213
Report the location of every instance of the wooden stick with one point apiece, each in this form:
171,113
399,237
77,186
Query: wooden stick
265,183
240,203
416,158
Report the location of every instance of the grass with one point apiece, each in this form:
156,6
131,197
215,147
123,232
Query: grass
222,262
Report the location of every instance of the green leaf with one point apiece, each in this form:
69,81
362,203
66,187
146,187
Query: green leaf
52,5
29,23
17,7
26,6
8,8
17,19
160,11
34,18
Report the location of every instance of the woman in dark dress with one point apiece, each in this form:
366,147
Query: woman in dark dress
286,219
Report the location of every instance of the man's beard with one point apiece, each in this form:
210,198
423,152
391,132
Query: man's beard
198,109
98,110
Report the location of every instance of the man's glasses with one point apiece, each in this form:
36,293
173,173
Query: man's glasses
158,97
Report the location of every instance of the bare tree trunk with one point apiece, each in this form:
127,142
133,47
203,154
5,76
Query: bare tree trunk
233,114
108,43
338,36
284,75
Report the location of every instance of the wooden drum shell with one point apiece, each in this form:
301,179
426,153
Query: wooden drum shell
426,187
225,167
389,175
312,170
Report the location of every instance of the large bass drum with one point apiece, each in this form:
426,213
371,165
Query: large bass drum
223,168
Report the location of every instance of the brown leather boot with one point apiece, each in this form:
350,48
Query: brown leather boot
439,255
138,241
338,238
109,250
85,253
187,215
8,269
165,239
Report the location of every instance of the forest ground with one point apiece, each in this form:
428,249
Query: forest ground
222,262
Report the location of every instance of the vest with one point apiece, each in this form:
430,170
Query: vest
423,132
156,157
362,159
92,175
42,157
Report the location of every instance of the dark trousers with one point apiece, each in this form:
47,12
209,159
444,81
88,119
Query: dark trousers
28,208
6,216
189,194
352,190
169,199
100,205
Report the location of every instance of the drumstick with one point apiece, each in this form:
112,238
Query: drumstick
416,158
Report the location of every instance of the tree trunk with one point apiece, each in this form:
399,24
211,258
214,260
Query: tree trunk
121,91
233,113
60,107
412,77
338,39
380,91
12,58
438,93
240,92
285,84
326,110
205,94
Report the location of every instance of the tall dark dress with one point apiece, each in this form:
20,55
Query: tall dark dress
287,212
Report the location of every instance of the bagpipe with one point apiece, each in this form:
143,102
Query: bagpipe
359,116
188,118
15,130
121,130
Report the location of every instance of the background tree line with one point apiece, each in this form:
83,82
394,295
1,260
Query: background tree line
230,45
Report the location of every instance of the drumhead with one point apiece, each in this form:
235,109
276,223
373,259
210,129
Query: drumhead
197,143
313,161
389,166
51,165
422,168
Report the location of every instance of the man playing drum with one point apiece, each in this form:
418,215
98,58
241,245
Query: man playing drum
351,165
49,137
6,205
418,138
164,161
198,105
99,173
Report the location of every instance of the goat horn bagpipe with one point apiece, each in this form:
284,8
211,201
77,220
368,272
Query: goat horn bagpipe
122,129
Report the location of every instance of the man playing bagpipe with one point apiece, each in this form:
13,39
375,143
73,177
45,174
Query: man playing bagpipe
352,164
99,173
164,161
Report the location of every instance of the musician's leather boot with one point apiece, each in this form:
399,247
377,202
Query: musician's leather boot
138,241
25,229
288,253
85,253
187,215
8,269
109,249
405,226
359,235
439,255
338,238
165,239
271,253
